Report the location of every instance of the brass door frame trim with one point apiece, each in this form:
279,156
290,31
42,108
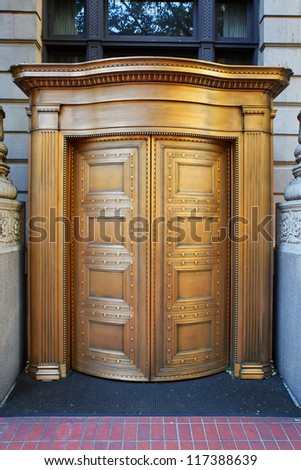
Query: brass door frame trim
133,96
159,69
232,315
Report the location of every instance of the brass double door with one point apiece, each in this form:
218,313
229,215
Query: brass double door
150,257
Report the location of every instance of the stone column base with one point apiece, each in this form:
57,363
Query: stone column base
12,294
287,296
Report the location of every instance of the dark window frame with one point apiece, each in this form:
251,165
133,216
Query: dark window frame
149,38
252,26
48,25
230,53
202,45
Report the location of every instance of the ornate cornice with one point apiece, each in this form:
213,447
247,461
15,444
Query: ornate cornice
149,70
48,108
248,110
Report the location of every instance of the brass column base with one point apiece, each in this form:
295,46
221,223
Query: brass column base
253,371
45,372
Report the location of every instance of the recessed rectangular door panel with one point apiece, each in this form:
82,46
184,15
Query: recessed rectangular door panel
110,276
190,260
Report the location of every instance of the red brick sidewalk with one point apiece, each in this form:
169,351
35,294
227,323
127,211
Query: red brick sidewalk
192,433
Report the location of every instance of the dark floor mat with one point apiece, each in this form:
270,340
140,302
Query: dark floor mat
217,395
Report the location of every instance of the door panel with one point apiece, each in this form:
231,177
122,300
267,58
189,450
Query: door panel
150,275
190,262
110,280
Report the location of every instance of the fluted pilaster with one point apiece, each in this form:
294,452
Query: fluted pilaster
254,246
45,246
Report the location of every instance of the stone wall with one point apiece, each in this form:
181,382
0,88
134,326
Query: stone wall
20,41
280,44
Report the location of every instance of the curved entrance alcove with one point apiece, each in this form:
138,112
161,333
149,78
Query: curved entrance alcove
149,178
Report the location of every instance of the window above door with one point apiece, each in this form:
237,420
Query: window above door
150,18
233,19
66,18
79,30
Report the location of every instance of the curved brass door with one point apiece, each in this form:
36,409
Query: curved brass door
150,284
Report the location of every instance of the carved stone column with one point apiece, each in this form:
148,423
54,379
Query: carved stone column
287,285
12,302
46,329
253,245
293,191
